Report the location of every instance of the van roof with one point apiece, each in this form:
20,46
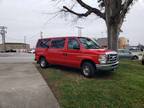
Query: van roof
60,37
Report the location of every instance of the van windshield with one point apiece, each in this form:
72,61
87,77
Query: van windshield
89,43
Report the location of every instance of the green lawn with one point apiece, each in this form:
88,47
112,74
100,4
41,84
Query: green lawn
123,88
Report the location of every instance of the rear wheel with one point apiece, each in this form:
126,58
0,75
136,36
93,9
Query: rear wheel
43,63
88,69
143,61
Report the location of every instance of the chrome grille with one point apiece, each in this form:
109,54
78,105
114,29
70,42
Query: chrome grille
112,58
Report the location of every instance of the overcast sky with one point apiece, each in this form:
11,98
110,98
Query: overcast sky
28,18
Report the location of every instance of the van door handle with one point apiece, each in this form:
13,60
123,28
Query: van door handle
65,54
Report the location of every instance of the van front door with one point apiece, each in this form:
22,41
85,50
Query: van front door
73,53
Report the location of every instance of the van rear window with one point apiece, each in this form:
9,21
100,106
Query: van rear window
43,43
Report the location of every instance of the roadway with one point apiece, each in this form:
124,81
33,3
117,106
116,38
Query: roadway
21,85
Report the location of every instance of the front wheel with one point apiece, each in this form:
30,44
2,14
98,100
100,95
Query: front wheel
142,61
43,63
135,58
88,69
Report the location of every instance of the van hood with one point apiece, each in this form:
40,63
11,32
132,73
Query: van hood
100,51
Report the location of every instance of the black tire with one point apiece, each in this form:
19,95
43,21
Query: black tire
43,63
142,61
88,69
135,58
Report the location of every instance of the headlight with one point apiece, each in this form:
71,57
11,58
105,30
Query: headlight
102,59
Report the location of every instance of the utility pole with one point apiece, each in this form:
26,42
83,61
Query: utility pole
102,34
79,30
25,43
3,31
24,39
41,35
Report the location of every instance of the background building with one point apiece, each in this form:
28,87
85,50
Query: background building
18,47
103,42
122,42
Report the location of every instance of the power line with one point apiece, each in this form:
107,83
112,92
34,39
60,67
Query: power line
35,35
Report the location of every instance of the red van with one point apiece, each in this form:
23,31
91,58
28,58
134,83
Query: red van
77,52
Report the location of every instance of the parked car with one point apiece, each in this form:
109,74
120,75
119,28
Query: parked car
32,51
125,53
77,52
143,60
11,50
137,52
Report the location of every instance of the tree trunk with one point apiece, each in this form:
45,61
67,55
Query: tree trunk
113,35
113,25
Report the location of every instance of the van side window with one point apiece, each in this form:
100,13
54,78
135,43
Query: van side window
73,44
58,43
43,43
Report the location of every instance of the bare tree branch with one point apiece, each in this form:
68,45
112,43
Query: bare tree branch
112,11
94,10
89,8
125,7
78,14
84,5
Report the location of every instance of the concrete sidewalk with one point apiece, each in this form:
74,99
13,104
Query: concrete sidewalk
22,86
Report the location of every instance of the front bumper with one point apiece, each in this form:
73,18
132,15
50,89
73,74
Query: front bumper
107,67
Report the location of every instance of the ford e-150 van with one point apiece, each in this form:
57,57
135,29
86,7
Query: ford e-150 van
77,52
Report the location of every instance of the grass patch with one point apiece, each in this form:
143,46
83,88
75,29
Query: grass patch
123,88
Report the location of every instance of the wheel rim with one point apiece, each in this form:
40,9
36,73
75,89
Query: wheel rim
135,58
86,70
42,63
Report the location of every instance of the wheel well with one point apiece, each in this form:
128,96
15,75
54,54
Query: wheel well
40,58
136,56
90,61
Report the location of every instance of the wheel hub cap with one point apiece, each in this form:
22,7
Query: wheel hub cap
86,70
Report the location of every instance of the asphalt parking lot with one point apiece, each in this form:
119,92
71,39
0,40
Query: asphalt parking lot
22,86
16,58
